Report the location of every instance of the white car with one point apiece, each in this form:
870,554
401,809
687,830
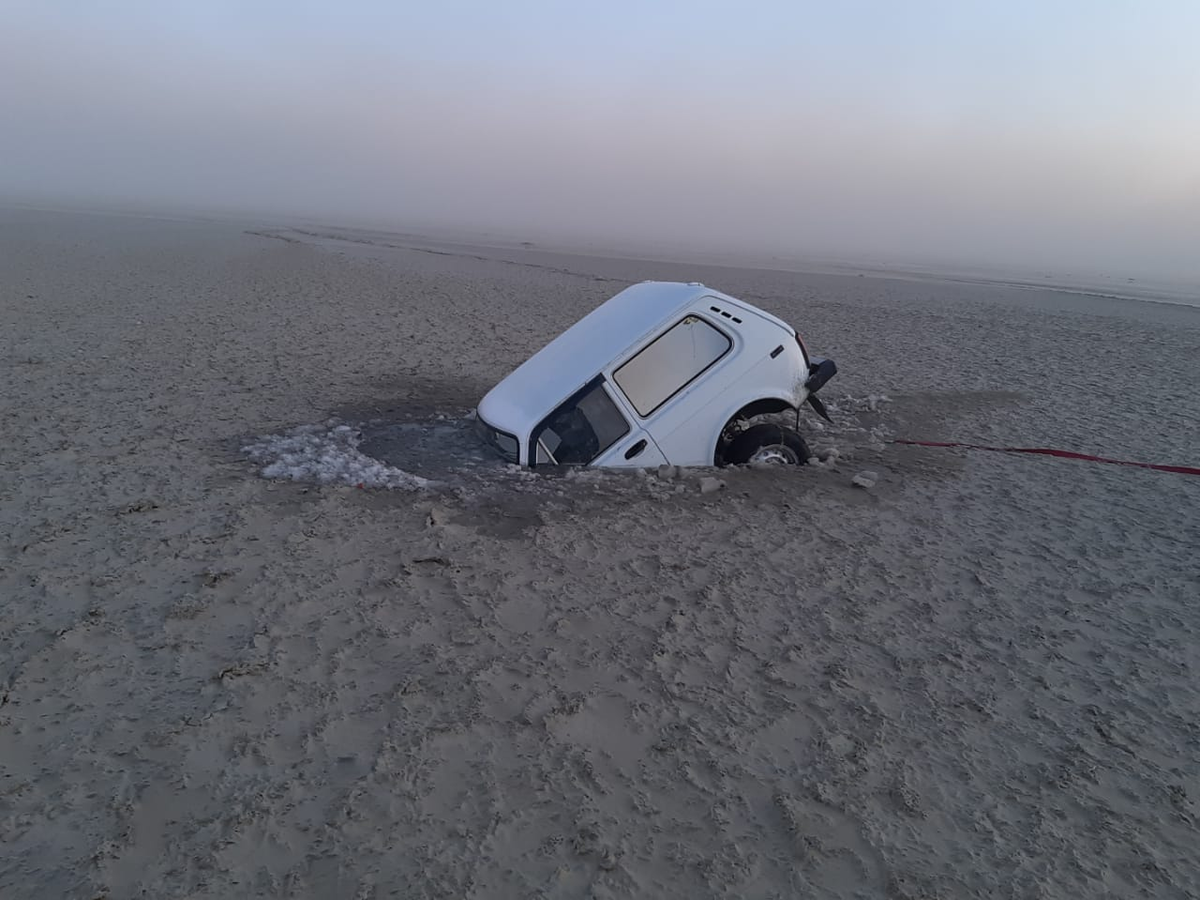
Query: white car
662,373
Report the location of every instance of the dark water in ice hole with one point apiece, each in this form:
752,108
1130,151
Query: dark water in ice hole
437,449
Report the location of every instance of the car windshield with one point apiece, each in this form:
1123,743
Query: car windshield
501,441
580,429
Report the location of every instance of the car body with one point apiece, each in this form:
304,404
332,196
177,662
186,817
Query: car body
661,373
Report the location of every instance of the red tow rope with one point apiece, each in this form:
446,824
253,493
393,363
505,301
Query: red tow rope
1063,454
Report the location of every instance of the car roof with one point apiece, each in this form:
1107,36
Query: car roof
573,358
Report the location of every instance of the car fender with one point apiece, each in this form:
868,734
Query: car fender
790,400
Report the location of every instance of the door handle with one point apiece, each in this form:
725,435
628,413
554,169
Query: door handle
635,449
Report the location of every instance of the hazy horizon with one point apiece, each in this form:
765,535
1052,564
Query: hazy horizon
1028,136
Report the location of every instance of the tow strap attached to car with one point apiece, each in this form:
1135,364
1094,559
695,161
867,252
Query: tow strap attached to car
1063,454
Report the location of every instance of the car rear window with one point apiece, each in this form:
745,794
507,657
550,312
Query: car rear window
670,363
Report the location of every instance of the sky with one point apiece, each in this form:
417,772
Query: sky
1053,133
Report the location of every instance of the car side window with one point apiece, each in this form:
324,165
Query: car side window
670,363
580,429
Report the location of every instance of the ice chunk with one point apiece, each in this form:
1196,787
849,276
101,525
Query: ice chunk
326,454
865,479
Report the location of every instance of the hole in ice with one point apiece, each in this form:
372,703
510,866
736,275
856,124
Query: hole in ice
409,455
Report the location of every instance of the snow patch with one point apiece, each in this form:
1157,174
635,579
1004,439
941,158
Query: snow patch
869,403
327,454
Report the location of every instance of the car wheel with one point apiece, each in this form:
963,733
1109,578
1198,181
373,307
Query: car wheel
768,445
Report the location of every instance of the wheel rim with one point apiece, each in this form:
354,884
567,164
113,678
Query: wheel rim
775,455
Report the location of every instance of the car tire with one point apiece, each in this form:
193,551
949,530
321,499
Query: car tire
768,445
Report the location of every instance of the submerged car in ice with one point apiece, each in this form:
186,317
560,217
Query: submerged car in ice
661,373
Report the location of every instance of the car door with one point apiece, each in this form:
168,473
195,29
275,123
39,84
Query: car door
592,427
636,449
